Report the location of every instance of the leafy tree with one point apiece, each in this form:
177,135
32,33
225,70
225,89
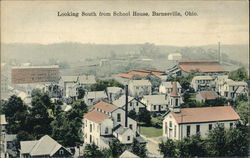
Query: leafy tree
243,110
239,74
81,93
103,84
92,151
116,148
15,111
216,141
132,114
144,116
139,149
167,148
217,102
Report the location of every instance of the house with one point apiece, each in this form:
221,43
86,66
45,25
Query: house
128,154
200,67
232,89
138,88
44,147
133,103
68,82
199,83
86,80
203,96
114,93
219,82
167,87
3,143
174,99
190,121
107,122
174,56
91,98
155,103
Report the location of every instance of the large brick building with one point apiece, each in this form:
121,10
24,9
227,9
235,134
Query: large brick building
35,74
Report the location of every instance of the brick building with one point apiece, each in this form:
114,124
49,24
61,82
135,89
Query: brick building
35,74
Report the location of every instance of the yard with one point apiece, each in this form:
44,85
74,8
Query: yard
151,131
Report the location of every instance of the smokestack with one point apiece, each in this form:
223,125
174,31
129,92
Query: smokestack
126,106
219,52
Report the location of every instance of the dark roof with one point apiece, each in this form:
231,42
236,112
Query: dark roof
208,95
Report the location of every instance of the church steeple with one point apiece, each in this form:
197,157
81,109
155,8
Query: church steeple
174,99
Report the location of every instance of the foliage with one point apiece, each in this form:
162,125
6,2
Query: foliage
92,151
103,84
116,148
81,93
167,148
185,81
15,112
239,75
243,110
144,116
139,149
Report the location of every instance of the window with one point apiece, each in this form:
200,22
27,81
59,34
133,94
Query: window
210,126
130,103
176,102
154,107
197,128
166,128
106,130
61,152
175,131
90,127
128,138
231,125
170,124
188,131
90,138
137,103
118,117
131,126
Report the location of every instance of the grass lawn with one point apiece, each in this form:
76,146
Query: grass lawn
151,131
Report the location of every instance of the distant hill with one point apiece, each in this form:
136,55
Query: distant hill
78,52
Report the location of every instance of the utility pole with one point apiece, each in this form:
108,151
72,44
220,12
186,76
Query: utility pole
219,53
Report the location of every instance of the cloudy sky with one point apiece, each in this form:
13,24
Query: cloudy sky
37,22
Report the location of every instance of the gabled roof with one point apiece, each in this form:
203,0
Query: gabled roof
155,99
96,116
169,84
235,83
105,106
69,78
141,73
174,92
208,95
140,82
128,154
120,130
114,89
201,66
45,146
122,101
205,114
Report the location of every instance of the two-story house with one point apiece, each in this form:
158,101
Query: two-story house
107,122
138,88
93,97
167,87
155,103
133,103
232,89
199,83
114,93
186,122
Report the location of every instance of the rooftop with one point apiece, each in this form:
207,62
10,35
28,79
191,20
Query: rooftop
208,95
96,116
105,106
122,101
174,90
169,84
69,78
202,78
140,82
201,66
96,94
205,114
114,89
128,154
155,99
141,73
87,79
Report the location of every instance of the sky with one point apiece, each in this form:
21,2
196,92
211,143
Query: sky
37,22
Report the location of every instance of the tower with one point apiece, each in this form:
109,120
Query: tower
174,99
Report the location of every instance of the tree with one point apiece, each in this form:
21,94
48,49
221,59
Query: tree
81,93
92,151
144,116
243,110
15,111
216,142
103,84
116,148
239,74
139,149
167,148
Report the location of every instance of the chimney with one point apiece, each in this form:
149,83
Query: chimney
126,106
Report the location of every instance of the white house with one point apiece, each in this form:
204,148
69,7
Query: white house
199,83
232,89
155,103
174,56
167,87
106,122
190,121
138,88
91,98
133,103
69,85
114,93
